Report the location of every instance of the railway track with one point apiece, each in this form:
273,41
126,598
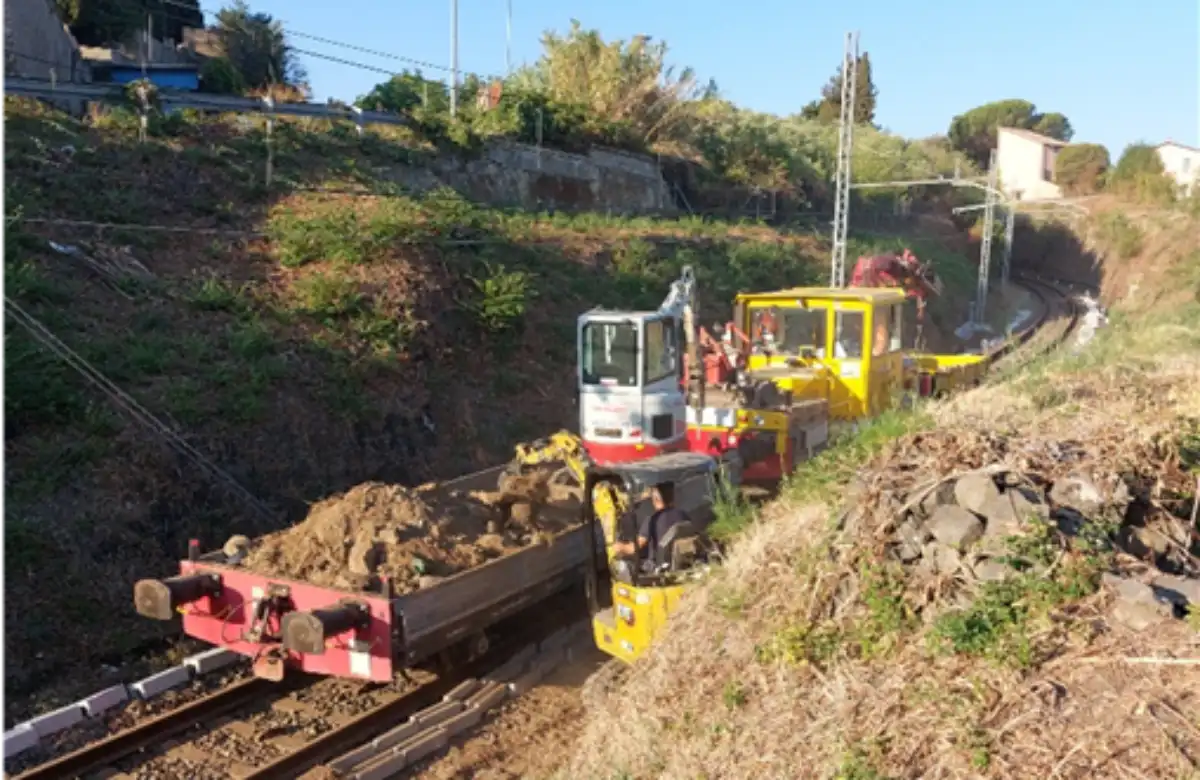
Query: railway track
212,736
153,747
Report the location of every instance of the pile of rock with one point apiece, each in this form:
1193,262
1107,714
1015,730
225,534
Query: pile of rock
964,523
970,525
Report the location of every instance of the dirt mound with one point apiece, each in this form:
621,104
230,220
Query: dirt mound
411,536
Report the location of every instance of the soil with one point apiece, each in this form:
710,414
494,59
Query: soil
413,537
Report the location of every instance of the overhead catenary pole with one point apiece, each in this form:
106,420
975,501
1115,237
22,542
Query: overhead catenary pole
841,198
1009,227
508,41
985,244
453,58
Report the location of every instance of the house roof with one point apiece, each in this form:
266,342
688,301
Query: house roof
1029,135
1178,145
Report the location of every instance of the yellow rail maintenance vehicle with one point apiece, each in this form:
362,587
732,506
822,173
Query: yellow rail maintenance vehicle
845,346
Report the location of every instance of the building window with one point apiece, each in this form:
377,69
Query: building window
1187,164
1049,153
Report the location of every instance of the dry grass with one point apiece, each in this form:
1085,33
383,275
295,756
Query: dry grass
807,657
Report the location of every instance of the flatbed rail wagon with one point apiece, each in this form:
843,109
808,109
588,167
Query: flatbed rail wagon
280,622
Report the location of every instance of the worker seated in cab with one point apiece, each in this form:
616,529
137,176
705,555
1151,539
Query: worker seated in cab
657,547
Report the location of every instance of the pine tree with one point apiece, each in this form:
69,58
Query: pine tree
829,107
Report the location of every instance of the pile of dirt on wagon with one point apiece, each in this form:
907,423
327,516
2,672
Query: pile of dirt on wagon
412,536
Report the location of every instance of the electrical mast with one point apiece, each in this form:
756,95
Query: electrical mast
985,243
841,198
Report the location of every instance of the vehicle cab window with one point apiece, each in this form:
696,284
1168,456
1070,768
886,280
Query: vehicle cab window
662,352
610,354
848,335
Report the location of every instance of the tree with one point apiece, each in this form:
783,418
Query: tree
218,76
255,44
622,82
1140,174
1079,168
974,133
829,107
405,92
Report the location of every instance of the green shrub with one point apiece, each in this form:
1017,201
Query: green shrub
499,298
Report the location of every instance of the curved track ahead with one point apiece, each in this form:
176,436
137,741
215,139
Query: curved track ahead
139,746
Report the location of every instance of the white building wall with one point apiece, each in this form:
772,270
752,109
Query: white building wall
1021,162
1182,164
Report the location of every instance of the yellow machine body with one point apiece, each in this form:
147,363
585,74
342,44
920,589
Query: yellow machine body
637,616
841,345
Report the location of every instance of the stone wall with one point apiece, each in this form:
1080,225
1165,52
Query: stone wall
37,44
522,176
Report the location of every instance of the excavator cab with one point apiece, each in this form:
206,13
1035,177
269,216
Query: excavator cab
644,592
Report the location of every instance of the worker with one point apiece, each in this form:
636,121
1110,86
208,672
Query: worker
655,527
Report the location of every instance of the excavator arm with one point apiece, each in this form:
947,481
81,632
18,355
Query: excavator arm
565,450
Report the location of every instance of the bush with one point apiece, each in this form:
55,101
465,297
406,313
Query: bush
219,76
500,298
1080,168
1140,175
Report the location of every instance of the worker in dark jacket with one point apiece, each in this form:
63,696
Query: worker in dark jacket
655,527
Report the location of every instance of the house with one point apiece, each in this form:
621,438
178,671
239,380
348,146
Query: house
1025,161
1181,163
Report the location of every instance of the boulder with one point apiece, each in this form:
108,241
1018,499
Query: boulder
1078,493
974,491
941,559
909,537
1137,605
1006,513
955,527
942,495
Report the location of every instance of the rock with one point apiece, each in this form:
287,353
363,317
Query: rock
955,527
974,491
1006,513
1181,591
1138,606
1138,616
942,495
428,581
939,559
910,536
1077,493
1068,521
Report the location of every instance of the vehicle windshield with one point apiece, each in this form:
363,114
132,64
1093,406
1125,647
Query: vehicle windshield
609,354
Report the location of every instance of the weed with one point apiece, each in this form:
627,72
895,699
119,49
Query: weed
858,764
734,695
996,625
732,512
500,298
216,294
801,644
888,614
327,297
1125,237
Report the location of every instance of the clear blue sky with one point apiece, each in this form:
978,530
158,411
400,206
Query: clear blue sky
1121,70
